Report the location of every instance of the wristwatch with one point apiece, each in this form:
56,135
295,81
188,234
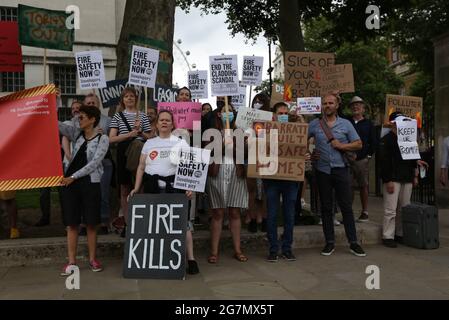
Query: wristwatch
73,177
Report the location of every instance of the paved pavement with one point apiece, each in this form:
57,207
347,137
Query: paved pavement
405,273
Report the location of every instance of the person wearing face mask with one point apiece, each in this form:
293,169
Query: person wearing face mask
226,187
257,214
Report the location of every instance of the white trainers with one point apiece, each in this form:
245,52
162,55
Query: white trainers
304,205
336,222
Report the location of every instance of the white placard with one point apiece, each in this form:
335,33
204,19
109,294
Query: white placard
224,78
197,81
252,70
246,117
191,172
309,105
239,100
143,68
90,68
407,139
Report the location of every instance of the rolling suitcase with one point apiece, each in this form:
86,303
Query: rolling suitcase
420,226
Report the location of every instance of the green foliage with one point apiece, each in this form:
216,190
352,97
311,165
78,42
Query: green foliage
265,85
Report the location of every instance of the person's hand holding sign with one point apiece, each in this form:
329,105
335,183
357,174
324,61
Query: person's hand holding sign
67,181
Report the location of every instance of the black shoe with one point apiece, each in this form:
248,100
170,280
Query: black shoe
82,232
123,233
42,223
328,249
289,256
389,243
192,267
357,250
252,226
398,239
103,230
263,225
272,257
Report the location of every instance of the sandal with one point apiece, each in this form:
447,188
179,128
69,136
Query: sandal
240,257
213,258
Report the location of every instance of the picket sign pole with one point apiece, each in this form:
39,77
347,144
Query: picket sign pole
45,66
228,125
146,100
250,89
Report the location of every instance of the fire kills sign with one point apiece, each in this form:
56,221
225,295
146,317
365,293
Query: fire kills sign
155,238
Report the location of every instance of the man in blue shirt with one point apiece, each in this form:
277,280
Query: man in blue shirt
333,137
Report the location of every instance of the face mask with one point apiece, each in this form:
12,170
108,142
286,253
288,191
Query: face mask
228,115
283,118
220,104
258,105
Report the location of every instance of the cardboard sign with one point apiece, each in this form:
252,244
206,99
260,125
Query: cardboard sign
408,105
155,237
309,105
90,69
292,148
302,72
185,113
191,172
246,117
252,70
44,28
197,81
224,79
277,93
10,50
143,69
163,66
338,77
30,152
407,132
239,100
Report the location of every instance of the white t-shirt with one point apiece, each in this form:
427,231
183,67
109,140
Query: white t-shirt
162,156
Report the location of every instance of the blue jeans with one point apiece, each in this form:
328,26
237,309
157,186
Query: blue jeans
273,191
105,184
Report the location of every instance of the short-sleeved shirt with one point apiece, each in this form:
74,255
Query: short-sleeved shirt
330,158
118,123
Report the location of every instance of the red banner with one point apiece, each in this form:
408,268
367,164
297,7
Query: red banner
30,153
10,51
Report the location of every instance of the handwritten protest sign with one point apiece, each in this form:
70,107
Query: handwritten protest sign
185,113
224,77
197,81
10,51
44,28
338,77
302,72
277,93
407,139
410,106
191,172
29,140
155,236
309,105
252,70
246,117
240,99
90,69
143,69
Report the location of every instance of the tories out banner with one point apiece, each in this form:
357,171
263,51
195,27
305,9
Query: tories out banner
252,70
143,69
185,113
30,152
224,77
90,69
44,28
197,81
155,236
10,51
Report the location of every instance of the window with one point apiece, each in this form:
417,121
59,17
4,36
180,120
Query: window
65,76
12,81
8,14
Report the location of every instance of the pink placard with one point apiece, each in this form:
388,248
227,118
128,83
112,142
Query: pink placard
184,112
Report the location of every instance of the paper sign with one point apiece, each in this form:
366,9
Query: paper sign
165,59
191,172
224,79
240,99
338,77
407,139
252,70
197,81
410,106
143,69
185,113
302,73
246,117
277,93
309,105
10,51
90,70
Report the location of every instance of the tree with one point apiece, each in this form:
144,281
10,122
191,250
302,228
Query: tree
149,19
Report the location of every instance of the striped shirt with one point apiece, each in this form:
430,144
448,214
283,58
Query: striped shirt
117,122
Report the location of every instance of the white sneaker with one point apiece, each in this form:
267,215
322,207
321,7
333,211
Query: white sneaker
304,205
320,222
336,222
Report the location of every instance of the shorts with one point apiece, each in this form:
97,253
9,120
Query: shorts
7,195
81,199
360,173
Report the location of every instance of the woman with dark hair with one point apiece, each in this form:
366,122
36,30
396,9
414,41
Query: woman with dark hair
226,187
261,101
184,95
157,169
205,109
81,197
126,125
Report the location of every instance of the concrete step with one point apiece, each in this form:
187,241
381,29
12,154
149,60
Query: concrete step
41,251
